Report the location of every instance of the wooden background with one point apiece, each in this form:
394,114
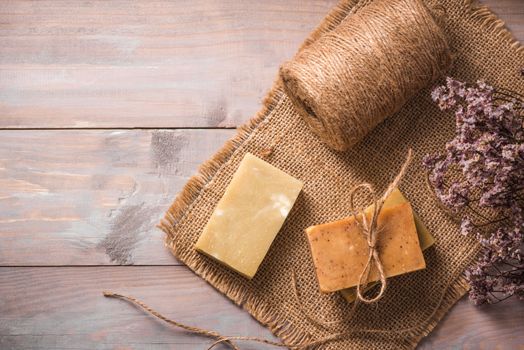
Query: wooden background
106,109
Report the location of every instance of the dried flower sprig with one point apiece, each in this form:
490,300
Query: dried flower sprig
480,178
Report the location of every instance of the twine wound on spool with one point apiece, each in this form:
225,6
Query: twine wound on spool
345,84
365,70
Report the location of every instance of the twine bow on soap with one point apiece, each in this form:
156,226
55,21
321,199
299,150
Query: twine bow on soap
370,229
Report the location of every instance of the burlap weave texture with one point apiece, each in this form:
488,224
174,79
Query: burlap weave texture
483,49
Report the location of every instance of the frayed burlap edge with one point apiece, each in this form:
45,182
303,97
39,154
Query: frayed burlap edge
184,202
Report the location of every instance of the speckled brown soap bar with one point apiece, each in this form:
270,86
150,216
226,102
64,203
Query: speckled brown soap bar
340,250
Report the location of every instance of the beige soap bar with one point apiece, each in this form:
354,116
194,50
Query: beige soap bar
340,250
249,215
424,237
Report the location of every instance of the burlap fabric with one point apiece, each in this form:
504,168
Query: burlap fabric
484,49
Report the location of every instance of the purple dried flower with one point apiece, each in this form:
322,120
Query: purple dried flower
455,87
483,171
466,227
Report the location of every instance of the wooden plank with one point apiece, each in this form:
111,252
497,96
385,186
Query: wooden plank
62,307
204,63
487,327
162,63
511,12
85,176
63,193
88,197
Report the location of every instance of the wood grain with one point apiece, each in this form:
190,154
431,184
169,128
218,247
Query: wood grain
88,197
511,12
92,197
144,63
488,327
204,63
62,307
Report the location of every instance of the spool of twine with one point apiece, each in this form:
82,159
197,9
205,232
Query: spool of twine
365,70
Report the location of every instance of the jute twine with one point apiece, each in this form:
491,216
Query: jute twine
416,301
334,336
364,70
371,231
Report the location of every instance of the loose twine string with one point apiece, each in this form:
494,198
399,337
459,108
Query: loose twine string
229,340
369,228
363,71
343,88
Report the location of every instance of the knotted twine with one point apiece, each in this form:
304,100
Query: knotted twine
353,77
485,48
370,230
